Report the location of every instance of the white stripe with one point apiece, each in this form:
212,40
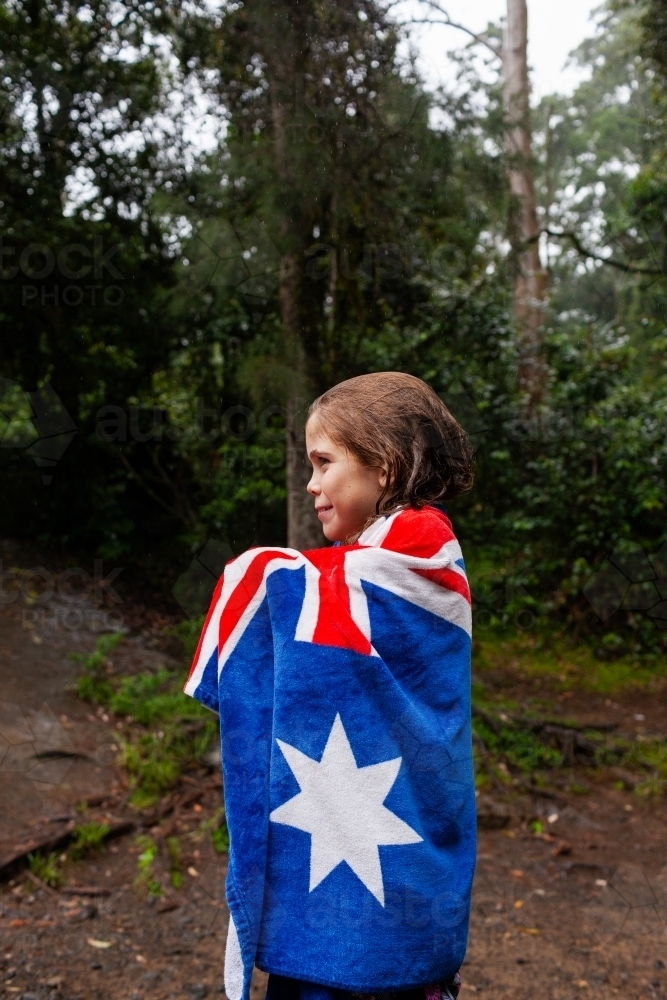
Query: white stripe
256,600
385,568
391,571
234,975
358,602
208,647
378,531
310,609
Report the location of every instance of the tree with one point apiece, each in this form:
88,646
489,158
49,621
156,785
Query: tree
323,144
83,271
529,277
530,280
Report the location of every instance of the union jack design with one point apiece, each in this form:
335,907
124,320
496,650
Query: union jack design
412,553
342,680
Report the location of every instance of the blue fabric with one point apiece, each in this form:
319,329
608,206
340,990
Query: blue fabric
412,701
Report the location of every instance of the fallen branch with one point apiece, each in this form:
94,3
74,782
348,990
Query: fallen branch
17,859
84,890
41,885
174,804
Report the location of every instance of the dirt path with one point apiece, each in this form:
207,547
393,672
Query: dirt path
579,908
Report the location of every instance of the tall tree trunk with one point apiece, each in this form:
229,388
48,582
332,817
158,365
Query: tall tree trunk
303,529
530,279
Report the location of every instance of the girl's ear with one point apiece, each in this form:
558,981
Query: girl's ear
383,478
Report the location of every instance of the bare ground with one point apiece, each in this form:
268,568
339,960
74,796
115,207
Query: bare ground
578,909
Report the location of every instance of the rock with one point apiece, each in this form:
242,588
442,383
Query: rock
198,991
492,815
213,758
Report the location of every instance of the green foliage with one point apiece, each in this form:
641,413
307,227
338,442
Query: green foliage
87,838
46,869
145,879
150,698
649,757
188,632
175,875
175,730
562,660
153,768
385,235
519,747
93,684
220,838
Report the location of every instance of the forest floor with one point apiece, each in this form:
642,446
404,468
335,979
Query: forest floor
571,885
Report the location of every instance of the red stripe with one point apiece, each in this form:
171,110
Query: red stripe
448,578
211,609
335,625
419,533
243,593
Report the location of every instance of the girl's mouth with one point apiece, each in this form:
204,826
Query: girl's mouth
323,511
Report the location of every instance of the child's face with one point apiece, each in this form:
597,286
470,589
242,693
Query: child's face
345,491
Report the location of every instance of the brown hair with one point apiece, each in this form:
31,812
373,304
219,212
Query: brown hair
397,422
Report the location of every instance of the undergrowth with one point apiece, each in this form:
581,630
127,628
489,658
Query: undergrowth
518,747
46,868
170,731
146,880
553,657
87,838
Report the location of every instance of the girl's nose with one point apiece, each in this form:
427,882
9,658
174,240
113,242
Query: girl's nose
313,487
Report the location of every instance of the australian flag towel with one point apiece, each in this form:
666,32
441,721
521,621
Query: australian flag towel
342,680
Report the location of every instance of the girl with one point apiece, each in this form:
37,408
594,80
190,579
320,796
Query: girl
342,679
378,444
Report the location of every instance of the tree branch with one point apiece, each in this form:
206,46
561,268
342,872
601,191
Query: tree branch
619,265
480,39
151,493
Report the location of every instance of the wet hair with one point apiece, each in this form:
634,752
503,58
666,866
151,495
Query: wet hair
395,421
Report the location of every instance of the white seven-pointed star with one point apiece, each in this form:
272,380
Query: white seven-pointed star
341,806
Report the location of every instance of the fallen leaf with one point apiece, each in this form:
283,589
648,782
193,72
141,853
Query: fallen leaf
166,905
17,923
99,944
193,871
518,904
529,930
582,983
55,982
517,873
140,958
